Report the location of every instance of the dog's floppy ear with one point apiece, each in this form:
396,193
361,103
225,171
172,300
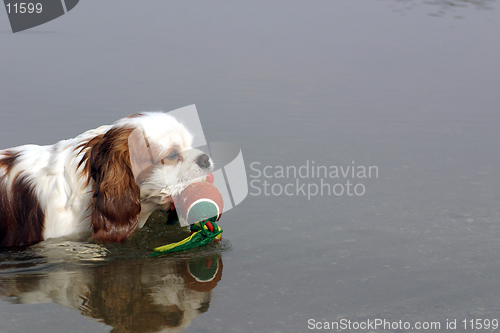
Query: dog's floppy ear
116,196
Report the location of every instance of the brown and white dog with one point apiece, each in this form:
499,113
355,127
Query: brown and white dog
109,179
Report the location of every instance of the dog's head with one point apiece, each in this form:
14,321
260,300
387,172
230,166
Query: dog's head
141,161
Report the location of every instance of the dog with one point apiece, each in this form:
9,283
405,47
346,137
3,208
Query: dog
107,180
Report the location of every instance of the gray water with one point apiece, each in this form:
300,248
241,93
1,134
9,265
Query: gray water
409,87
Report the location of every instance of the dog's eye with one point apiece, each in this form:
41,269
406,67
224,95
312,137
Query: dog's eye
173,155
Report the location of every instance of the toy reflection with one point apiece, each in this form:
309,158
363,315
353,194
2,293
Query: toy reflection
160,295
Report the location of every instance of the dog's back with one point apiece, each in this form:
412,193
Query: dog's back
41,193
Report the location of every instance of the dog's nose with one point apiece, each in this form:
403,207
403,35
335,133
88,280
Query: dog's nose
203,161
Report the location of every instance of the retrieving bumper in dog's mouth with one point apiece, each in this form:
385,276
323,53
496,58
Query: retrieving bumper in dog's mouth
201,205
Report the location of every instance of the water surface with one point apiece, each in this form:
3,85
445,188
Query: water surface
410,87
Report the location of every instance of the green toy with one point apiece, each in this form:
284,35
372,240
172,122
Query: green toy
203,233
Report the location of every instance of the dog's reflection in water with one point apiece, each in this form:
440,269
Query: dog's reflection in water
161,295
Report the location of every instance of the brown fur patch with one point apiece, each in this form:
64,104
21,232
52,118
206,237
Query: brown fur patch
116,199
8,160
86,149
136,115
21,216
